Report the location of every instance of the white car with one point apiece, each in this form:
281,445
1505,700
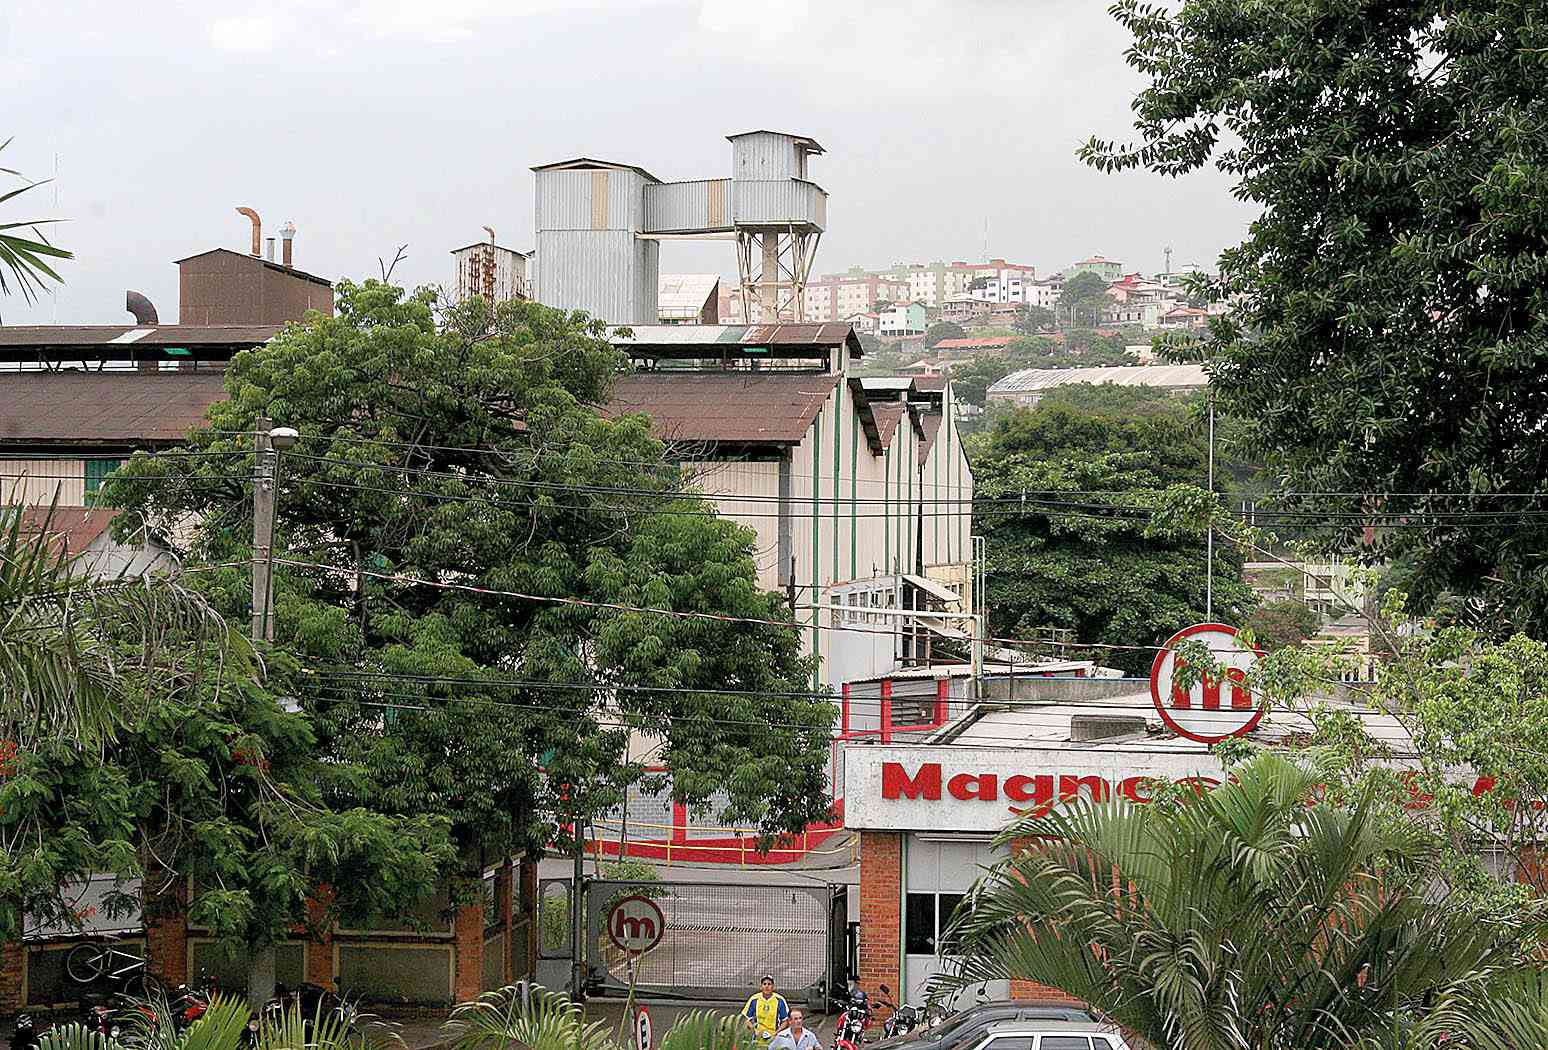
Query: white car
1050,1035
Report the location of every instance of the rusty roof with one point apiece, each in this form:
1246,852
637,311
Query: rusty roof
66,530
93,409
887,418
260,261
930,423
724,408
930,382
165,335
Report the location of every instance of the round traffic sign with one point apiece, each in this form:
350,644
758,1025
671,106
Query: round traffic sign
1208,711
635,924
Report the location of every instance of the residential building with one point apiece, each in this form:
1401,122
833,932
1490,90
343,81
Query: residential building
1184,317
973,345
1139,302
964,309
1105,268
865,323
1028,386
834,297
901,320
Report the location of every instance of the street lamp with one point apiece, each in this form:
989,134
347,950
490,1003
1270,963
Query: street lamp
271,442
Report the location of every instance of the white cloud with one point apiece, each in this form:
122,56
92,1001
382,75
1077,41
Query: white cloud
248,33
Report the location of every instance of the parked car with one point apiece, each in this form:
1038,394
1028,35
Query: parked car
1049,1035
962,1031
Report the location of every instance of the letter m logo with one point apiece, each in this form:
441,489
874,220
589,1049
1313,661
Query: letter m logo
926,784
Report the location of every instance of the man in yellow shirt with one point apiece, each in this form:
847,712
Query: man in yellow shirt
766,1012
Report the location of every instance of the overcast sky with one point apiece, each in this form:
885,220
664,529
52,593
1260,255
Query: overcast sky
374,123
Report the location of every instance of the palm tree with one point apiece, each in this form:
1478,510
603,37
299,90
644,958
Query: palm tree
25,257
534,1017
1249,917
70,641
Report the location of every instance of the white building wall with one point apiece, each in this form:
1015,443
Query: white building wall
34,482
748,493
948,484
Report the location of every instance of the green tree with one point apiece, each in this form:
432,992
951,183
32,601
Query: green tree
1252,915
1083,299
1034,319
971,380
24,250
192,769
1082,551
943,330
1387,328
1275,625
457,524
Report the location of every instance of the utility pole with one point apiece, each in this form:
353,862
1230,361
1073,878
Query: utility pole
1167,251
577,911
1209,542
267,443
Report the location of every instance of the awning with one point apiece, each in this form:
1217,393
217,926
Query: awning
946,632
940,592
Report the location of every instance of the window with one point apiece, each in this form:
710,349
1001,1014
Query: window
1010,1042
96,471
926,919
1065,1042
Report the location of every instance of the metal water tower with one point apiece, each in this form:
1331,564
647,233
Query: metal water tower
600,223
779,215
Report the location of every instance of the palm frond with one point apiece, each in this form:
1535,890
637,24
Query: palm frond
25,258
527,1014
68,639
75,1036
704,1030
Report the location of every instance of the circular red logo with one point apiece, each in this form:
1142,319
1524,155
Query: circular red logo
1209,711
635,924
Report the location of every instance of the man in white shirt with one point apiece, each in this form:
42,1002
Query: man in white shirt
797,1036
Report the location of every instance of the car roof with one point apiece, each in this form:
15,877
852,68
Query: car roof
1037,1027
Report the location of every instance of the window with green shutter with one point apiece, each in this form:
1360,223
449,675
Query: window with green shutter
96,471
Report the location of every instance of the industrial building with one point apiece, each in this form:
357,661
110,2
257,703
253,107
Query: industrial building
600,225
1028,386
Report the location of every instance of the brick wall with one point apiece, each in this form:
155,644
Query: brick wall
319,946
166,936
12,959
881,909
468,933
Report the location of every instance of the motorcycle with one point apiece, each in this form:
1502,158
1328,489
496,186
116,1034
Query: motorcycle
852,1022
904,1018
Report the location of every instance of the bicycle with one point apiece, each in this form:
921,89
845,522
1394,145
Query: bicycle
97,962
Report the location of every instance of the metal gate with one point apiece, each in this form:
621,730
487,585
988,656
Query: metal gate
721,938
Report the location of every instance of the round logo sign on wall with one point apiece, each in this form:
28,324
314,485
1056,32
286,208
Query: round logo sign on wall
1209,711
635,924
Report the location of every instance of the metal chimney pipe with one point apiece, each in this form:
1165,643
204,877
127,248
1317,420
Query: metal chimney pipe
137,304
268,248
257,227
288,236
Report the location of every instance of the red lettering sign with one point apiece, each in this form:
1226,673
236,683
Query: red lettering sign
1205,721
896,783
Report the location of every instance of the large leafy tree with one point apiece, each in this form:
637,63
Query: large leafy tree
1083,299
1389,328
458,528
1067,493
143,740
1252,915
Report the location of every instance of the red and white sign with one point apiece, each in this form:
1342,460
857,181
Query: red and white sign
1208,711
642,1030
635,924
980,790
